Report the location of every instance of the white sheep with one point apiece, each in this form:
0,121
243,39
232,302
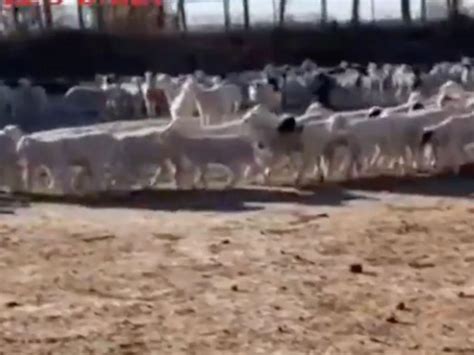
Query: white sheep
89,100
235,152
58,154
28,104
10,173
216,103
184,104
449,139
136,151
170,86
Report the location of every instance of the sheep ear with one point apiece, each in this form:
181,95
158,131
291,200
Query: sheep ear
376,112
417,106
287,125
427,136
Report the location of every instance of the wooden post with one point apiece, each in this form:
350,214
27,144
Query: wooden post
182,15
281,17
355,11
246,14
324,11
48,16
406,12
226,14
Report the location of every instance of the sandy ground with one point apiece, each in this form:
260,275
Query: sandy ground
380,270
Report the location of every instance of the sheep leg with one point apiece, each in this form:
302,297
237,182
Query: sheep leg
255,170
354,166
307,163
120,178
198,178
14,179
98,175
63,180
165,166
376,157
154,179
458,157
8,178
151,108
3,176
267,172
27,177
233,178
237,173
34,170
179,175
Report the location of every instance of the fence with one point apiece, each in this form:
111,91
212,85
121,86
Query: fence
224,14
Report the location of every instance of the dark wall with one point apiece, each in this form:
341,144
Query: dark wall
79,54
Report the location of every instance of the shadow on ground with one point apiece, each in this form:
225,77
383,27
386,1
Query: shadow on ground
443,185
254,198
236,200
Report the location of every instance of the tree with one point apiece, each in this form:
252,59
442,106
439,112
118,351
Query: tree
324,11
355,11
246,14
406,13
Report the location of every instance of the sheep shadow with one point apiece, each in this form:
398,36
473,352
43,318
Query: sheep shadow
440,185
232,200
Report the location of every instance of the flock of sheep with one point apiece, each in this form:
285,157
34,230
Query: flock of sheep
348,121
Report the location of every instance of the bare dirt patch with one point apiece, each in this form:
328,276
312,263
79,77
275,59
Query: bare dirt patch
292,278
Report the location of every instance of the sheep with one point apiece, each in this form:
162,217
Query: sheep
405,78
289,137
308,65
137,150
103,101
235,152
137,96
170,87
10,173
57,154
6,103
28,104
319,141
448,139
267,94
147,89
296,91
316,107
338,91
89,100
120,103
398,135
14,132
412,104
184,103
217,102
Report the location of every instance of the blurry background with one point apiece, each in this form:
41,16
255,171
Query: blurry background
226,35
219,14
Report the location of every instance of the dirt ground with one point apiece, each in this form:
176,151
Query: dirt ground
244,272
